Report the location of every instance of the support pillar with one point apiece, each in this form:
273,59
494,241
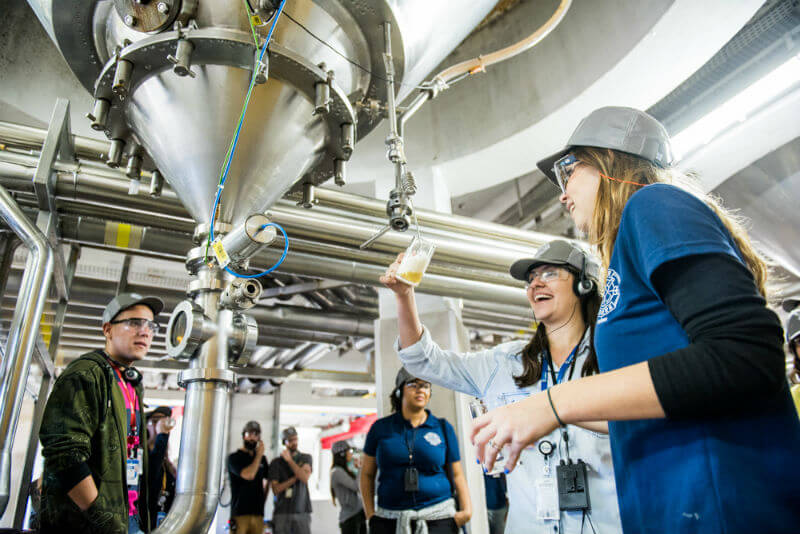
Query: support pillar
442,317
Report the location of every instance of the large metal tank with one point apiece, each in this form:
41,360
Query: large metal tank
180,119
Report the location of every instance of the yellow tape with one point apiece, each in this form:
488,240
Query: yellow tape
256,20
123,235
46,330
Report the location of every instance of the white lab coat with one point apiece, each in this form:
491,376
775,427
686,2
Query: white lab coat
489,375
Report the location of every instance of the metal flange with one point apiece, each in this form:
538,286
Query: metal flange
243,340
221,46
188,329
206,375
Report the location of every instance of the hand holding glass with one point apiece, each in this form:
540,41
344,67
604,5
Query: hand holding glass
415,261
477,409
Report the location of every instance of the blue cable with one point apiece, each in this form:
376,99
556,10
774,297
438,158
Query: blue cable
283,256
221,185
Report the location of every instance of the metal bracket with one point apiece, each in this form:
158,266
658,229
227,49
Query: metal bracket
57,142
47,222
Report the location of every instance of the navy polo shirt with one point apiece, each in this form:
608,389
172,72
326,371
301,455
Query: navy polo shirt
723,474
389,441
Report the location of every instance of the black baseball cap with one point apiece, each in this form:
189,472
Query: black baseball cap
166,411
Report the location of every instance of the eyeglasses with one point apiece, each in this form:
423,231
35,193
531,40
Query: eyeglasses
419,386
137,323
564,168
545,275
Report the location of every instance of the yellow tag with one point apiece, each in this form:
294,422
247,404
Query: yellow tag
256,20
219,252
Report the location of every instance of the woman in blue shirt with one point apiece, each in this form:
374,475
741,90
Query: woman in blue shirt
563,295
415,457
692,369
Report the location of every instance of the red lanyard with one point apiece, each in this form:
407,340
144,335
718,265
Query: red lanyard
132,404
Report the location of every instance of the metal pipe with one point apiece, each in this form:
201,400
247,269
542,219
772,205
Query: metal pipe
23,332
203,447
295,317
313,355
30,137
100,183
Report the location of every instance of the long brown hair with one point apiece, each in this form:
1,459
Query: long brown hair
533,352
613,195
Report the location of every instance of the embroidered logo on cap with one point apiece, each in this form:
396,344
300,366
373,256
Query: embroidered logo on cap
433,438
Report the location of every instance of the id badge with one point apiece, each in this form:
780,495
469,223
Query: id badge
132,471
289,492
547,499
160,517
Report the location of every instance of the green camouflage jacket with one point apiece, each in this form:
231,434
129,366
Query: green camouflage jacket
85,421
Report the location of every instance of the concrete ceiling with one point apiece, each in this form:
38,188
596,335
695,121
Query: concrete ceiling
480,140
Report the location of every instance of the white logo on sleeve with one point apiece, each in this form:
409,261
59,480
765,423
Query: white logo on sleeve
433,438
610,296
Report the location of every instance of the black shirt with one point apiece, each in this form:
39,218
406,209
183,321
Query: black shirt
295,500
160,479
248,496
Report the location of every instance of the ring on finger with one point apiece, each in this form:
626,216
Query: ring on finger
493,445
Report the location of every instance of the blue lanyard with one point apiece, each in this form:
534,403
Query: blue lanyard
568,363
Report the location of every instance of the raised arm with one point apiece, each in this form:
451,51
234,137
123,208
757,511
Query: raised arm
409,325
367,482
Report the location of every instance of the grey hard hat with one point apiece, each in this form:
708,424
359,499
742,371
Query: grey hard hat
790,304
556,252
288,433
793,326
341,447
252,426
123,301
625,129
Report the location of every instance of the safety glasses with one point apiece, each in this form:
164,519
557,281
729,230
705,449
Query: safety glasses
546,275
564,168
136,323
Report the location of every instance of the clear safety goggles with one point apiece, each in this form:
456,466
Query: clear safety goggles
564,168
549,274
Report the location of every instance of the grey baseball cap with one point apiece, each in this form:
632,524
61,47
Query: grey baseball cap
403,377
288,433
252,426
790,304
341,446
123,301
625,129
793,326
556,252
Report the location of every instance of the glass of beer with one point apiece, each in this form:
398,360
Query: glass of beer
415,261
477,409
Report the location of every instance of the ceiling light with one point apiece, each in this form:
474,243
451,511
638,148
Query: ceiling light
737,109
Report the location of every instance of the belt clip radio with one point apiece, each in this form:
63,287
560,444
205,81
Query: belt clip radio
573,491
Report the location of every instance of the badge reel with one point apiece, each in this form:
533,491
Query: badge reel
546,488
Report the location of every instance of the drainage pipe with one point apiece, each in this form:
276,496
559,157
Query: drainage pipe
23,332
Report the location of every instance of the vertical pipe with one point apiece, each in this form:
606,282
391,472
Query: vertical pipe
203,442
23,332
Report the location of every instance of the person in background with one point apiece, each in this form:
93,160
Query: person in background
289,474
563,295
248,472
416,460
793,339
496,502
93,433
162,472
344,487
692,367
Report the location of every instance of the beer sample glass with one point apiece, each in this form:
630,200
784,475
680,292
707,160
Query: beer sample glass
415,261
476,409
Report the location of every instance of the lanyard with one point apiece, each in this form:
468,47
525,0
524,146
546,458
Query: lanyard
131,404
548,365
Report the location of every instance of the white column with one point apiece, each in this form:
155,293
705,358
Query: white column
442,317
